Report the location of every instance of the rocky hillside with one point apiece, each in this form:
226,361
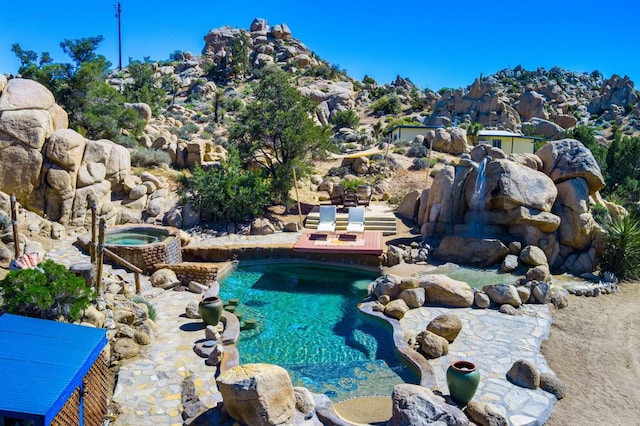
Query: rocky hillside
548,101
534,102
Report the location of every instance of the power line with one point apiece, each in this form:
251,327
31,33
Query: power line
118,13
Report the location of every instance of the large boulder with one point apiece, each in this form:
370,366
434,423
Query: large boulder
386,285
143,110
485,414
442,290
257,394
65,148
30,127
433,345
396,309
22,94
418,406
502,294
546,128
20,168
509,185
568,159
533,256
413,297
532,104
446,325
469,250
524,373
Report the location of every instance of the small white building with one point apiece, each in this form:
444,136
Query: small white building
406,133
509,142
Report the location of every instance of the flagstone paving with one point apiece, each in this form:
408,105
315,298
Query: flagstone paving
493,342
149,386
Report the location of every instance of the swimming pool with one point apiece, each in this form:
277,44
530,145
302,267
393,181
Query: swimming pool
309,323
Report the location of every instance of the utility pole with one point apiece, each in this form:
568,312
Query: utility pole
118,13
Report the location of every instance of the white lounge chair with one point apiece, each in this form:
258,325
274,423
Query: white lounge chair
327,222
356,219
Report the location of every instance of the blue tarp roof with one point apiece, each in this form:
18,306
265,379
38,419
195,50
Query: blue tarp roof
41,363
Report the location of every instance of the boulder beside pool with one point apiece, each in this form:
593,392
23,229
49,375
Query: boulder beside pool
257,394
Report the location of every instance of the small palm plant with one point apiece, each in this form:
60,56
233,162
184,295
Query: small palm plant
622,248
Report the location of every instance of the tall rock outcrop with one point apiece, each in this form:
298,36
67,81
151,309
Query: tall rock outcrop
545,203
51,169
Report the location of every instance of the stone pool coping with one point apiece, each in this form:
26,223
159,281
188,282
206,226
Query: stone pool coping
493,341
416,361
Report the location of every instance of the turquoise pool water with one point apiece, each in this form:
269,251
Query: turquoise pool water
475,277
136,237
308,323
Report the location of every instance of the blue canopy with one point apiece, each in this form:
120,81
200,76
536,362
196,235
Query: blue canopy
41,363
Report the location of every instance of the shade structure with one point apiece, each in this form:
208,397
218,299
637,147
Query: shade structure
42,364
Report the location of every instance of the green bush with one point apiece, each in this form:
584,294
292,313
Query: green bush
228,192
353,183
347,118
188,130
338,171
417,150
50,291
150,308
622,248
600,214
148,157
420,163
388,104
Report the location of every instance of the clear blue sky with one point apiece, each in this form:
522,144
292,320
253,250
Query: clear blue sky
433,42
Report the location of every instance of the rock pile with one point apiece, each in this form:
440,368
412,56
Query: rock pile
548,101
53,170
541,200
524,374
128,320
267,45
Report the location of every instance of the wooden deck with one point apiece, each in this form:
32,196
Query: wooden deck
369,242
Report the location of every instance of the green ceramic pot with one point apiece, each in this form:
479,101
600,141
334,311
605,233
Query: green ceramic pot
210,309
462,379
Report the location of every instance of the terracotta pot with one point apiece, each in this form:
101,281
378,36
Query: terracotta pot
210,309
462,379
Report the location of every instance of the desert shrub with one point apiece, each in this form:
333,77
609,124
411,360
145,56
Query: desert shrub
417,150
353,183
622,248
126,140
49,291
188,130
148,157
228,192
600,214
420,163
338,171
150,308
210,128
388,104
347,118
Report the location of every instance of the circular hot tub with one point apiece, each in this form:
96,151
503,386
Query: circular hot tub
144,246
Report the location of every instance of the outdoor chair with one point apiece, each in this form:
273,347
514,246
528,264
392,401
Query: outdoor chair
327,221
364,195
350,198
337,195
356,219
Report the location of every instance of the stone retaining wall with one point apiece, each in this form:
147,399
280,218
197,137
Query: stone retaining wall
204,273
147,256
225,254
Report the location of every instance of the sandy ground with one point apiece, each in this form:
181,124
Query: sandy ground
594,346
